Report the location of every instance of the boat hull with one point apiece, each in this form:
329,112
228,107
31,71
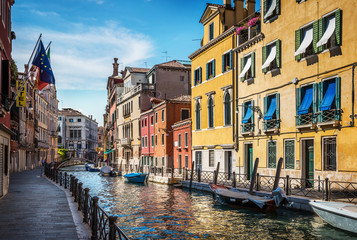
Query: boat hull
339,215
136,178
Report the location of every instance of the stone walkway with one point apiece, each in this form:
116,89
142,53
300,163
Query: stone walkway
36,208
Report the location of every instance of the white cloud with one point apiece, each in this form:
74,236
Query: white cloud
99,2
82,58
44,14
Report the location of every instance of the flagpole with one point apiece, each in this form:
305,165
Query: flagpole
48,46
21,87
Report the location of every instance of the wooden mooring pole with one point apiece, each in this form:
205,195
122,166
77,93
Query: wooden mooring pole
192,169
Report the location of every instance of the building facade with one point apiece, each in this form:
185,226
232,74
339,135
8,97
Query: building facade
182,131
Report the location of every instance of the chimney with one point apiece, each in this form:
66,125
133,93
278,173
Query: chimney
239,10
250,6
227,3
115,67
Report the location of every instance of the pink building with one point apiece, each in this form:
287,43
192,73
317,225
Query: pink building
147,137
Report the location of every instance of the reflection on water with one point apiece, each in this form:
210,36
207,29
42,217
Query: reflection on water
155,211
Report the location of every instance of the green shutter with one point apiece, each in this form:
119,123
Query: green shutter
207,75
278,53
297,102
200,74
277,8
321,33
320,97
338,98
252,117
265,8
214,67
264,57
223,70
315,102
194,78
338,29
265,107
252,67
277,110
242,62
298,39
315,36
230,60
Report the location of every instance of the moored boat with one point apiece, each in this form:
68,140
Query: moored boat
339,215
88,166
93,168
136,177
106,170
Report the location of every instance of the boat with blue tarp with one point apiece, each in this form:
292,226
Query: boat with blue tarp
136,177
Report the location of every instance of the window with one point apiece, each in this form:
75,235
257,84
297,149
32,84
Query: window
210,106
247,67
59,118
271,56
182,78
163,161
197,76
155,140
211,31
156,117
146,141
163,139
306,104
330,31
3,10
227,61
198,160
211,158
162,115
179,161
143,142
227,109
247,116
271,9
152,120
303,42
289,154
185,113
198,115
79,145
79,120
329,100
271,111
186,161
271,154
179,140
71,120
152,140
186,139
210,69
329,154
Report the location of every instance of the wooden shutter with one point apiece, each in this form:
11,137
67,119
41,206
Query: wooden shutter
207,75
242,62
252,117
315,39
297,102
230,60
214,67
278,53
321,33
194,78
298,36
315,102
338,98
252,67
277,110
277,8
223,69
265,8
338,29
200,74
320,97
265,107
264,57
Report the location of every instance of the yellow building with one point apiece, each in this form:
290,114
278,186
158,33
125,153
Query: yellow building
296,90
212,86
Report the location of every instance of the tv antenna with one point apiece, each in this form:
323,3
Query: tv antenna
165,52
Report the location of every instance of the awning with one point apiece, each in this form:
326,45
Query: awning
248,115
270,58
306,102
109,151
328,97
305,42
330,29
271,110
271,9
246,67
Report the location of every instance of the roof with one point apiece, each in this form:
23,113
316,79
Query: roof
182,98
174,63
210,6
138,70
70,112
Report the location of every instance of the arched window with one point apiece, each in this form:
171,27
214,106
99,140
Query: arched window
210,113
227,109
198,115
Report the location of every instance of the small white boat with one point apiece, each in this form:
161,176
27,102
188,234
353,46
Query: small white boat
339,215
106,170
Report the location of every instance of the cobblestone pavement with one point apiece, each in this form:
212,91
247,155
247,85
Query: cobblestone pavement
35,208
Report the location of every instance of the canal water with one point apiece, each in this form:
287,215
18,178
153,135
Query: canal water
155,211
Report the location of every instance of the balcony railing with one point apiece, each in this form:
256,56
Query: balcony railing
125,141
148,86
329,115
271,124
248,34
305,119
247,128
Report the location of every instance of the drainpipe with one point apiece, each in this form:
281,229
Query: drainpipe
353,94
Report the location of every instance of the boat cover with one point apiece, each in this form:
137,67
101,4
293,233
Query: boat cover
106,169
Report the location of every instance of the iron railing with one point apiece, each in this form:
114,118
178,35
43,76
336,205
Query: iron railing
102,225
305,119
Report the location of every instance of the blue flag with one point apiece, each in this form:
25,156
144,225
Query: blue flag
41,60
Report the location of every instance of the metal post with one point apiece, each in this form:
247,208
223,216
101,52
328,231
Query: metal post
75,189
326,190
319,189
258,182
234,180
94,219
192,168
216,174
85,205
162,171
287,185
56,175
214,177
61,177
172,174
183,174
72,184
65,180
112,221
79,195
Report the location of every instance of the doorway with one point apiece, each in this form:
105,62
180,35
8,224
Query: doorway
248,160
228,163
308,162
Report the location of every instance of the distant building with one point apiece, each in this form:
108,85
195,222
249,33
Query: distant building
100,146
182,144
81,133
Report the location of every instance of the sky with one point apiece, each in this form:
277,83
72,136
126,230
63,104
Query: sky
87,35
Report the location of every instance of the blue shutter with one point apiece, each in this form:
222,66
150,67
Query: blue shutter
200,74
230,60
338,98
214,67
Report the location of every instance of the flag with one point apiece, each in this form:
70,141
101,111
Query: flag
41,61
38,83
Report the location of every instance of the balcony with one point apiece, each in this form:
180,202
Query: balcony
148,86
125,142
248,36
247,128
305,120
271,125
329,117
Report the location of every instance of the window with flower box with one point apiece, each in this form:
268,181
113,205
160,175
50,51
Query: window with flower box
210,69
227,61
197,76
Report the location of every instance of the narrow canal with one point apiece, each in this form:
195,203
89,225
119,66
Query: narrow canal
155,211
